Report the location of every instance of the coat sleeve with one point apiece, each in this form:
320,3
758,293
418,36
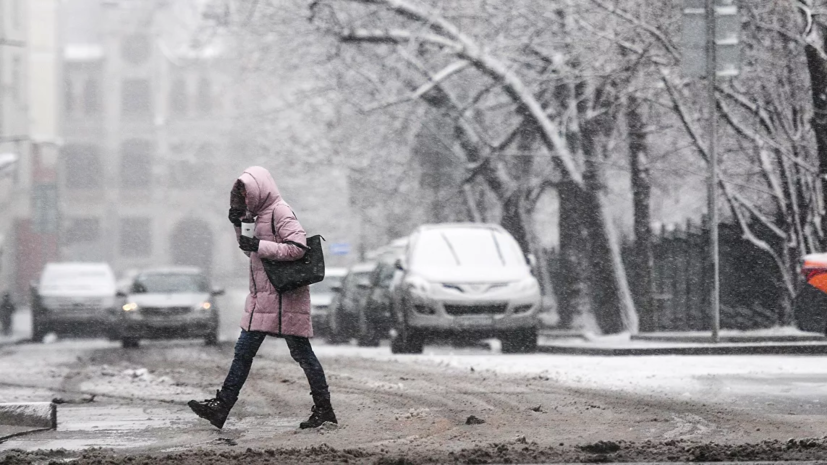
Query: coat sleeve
289,229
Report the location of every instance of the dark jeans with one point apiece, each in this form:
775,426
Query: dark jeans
247,347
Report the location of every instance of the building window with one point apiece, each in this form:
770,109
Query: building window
135,48
204,96
68,96
81,230
136,164
136,99
178,97
83,167
91,97
136,237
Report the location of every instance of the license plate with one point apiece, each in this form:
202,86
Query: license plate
473,322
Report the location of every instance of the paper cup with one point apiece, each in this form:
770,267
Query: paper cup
248,229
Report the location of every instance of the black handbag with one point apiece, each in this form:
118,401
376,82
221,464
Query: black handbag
288,275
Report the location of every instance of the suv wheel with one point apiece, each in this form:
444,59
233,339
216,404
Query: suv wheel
368,340
212,338
340,332
407,341
521,341
38,332
368,335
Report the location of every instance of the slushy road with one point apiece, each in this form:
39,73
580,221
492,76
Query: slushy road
544,406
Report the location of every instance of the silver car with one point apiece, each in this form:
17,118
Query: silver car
169,303
75,299
467,280
321,297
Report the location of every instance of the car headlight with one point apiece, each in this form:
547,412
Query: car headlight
418,285
528,284
204,306
130,307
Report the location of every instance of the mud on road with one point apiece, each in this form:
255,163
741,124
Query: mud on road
391,409
512,452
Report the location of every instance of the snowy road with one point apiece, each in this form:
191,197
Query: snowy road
413,403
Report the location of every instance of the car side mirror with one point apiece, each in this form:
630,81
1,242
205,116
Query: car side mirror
337,288
531,260
217,291
399,264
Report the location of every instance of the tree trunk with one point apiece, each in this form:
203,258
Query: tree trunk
817,67
573,291
612,300
643,260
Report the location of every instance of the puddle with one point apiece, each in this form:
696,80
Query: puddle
121,418
109,426
76,444
171,427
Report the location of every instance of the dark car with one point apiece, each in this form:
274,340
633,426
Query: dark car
343,317
375,318
322,296
169,303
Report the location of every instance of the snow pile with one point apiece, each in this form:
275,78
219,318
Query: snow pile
142,375
135,382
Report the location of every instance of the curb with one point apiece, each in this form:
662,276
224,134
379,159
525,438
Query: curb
29,414
740,349
733,339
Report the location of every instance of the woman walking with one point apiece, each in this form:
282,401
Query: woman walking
278,236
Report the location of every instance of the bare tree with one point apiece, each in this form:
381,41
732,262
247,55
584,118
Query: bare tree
574,136
766,140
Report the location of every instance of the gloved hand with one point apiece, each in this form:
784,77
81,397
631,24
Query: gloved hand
235,216
248,244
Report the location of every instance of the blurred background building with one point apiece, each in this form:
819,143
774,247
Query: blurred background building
146,119
29,137
120,137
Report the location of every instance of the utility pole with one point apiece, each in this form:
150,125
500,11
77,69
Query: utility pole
711,49
711,78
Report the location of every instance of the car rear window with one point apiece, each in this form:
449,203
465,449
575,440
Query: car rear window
78,279
169,283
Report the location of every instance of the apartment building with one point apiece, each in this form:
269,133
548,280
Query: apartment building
145,117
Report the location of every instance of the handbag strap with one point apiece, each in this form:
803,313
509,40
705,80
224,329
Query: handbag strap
273,228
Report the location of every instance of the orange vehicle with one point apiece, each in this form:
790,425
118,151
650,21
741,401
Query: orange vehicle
810,305
814,270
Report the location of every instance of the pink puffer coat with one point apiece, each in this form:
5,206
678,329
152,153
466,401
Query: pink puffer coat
262,311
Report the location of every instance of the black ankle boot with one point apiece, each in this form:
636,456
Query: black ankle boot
322,412
213,410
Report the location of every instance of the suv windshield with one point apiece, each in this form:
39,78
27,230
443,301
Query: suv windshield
478,248
167,283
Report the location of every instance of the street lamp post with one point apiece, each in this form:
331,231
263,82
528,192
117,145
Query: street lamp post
711,78
711,49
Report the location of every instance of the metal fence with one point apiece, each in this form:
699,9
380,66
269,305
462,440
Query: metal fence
751,295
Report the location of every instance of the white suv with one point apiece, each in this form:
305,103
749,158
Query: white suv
468,280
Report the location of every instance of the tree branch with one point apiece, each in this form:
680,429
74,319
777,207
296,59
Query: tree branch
487,64
653,31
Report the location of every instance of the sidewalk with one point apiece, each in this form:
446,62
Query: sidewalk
775,341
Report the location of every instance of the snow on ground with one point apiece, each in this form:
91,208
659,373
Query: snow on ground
691,377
